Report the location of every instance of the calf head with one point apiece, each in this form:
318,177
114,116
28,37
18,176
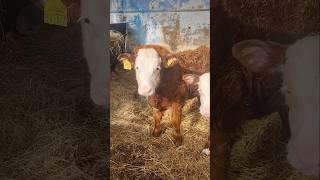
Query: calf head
148,62
203,83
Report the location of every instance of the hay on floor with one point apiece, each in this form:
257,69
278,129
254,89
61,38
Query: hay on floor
137,155
49,128
261,154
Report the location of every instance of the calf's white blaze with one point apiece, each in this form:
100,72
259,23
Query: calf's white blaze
204,91
301,86
147,67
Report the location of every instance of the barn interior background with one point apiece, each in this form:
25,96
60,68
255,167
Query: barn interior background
177,25
49,129
259,153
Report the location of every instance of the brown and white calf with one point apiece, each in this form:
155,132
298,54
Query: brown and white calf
161,82
203,86
299,64
264,77
196,66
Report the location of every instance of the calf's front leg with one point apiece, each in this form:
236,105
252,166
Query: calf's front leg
206,149
176,121
157,115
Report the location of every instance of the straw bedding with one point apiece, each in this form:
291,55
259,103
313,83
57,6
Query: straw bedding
137,155
49,128
258,154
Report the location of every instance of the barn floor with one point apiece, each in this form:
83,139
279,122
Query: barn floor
259,154
49,129
137,155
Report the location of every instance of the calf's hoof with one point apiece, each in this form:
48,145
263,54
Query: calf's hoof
156,132
177,139
206,151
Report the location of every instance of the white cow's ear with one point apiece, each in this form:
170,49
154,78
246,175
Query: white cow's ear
169,61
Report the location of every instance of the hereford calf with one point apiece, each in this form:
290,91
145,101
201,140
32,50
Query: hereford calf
299,64
203,84
161,82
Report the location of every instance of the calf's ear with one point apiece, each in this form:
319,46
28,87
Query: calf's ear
259,56
190,79
127,60
169,61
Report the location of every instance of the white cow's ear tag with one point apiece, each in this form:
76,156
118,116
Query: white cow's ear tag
55,12
126,64
170,61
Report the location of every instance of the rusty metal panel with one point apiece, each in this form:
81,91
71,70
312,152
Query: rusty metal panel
178,24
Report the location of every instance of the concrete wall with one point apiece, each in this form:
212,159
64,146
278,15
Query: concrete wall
178,24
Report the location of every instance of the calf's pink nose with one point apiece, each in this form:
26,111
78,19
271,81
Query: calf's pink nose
145,90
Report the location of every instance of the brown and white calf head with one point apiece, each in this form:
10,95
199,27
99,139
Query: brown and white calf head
148,62
203,83
299,64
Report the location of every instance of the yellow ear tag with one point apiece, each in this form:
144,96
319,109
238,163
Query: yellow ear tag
126,64
170,61
55,12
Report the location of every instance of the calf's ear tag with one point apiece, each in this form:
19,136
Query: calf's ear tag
126,64
170,61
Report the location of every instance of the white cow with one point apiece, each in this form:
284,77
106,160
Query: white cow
94,19
299,64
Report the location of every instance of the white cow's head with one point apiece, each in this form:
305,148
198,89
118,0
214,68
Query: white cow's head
203,83
148,62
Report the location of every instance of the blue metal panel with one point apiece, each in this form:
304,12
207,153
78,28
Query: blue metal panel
178,24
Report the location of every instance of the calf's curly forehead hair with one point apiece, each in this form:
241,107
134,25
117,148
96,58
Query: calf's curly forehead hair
163,52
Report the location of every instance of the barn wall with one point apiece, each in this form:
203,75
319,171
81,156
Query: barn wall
178,24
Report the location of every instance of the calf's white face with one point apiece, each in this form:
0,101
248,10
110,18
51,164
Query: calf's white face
147,67
203,83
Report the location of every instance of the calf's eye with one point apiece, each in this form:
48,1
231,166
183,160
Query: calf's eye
158,68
